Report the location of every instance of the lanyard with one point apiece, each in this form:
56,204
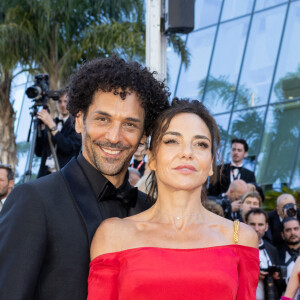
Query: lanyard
139,165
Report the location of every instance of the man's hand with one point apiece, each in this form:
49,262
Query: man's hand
262,274
236,205
276,276
45,117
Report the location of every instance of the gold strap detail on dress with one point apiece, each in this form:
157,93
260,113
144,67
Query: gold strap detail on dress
236,225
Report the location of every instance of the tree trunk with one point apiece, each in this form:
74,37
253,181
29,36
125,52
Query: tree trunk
8,149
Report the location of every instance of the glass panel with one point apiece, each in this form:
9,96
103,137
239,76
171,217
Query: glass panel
222,121
260,58
295,184
173,65
200,45
236,8
206,12
261,4
225,66
279,144
287,80
246,125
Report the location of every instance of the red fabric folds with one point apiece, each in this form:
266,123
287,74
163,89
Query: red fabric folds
222,272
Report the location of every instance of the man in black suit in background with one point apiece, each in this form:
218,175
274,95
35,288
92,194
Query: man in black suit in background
268,256
286,207
66,141
234,170
46,226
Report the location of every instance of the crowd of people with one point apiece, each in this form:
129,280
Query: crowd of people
138,208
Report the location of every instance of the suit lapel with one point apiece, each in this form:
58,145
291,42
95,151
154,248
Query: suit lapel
66,125
83,195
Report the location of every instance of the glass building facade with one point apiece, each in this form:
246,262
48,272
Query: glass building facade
245,67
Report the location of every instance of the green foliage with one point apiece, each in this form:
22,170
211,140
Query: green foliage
271,197
55,36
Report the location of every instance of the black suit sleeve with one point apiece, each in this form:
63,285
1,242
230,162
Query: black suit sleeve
67,144
252,178
215,189
23,237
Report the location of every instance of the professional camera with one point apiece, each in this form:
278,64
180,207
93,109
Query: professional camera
271,292
225,203
282,270
289,210
40,90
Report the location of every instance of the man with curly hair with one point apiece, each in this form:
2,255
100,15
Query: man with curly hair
46,225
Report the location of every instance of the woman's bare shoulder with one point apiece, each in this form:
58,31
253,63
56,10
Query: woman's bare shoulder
247,236
109,236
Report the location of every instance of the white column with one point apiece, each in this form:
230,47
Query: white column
156,42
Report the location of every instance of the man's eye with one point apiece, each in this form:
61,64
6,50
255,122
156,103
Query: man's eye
130,125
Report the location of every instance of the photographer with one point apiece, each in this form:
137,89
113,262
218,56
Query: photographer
286,207
271,284
66,141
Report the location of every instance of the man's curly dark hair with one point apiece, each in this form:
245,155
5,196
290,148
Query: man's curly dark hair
114,74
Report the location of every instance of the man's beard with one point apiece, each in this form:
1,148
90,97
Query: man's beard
293,243
64,114
110,166
3,193
111,160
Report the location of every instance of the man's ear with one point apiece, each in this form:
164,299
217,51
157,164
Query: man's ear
151,164
11,184
282,235
143,139
245,155
267,227
79,122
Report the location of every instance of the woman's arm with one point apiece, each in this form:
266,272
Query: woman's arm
293,283
104,266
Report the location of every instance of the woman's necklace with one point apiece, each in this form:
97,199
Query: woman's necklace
177,217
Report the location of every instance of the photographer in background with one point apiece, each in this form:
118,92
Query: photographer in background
66,141
291,236
270,285
286,207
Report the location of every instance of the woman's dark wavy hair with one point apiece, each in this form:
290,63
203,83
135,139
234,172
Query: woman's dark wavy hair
162,124
114,74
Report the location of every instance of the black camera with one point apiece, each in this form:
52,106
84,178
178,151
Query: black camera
225,203
289,210
40,90
282,270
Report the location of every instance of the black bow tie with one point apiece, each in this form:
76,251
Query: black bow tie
293,252
235,167
127,198
60,121
261,247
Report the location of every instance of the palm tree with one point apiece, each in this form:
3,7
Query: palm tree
55,36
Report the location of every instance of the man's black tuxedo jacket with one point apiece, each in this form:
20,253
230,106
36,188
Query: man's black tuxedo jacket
67,142
274,232
222,184
45,235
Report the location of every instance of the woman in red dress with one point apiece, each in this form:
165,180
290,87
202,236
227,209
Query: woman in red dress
176,249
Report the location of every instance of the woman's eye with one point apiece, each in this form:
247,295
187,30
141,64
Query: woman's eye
202,145
170,141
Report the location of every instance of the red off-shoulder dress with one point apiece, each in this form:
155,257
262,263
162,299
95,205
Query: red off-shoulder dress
150,273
